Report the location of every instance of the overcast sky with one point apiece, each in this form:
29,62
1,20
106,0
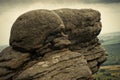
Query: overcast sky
11,9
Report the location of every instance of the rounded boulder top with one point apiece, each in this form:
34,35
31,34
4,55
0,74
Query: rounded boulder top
31,29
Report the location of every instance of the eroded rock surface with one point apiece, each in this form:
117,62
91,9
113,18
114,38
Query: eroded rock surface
59,44
11,61
61,65
31,29
82,27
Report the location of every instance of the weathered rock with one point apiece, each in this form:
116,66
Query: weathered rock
11,61
31,29
58,65
61,64
81,25
94,53
53,45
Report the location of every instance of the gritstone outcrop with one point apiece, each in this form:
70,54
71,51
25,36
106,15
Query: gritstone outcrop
57,44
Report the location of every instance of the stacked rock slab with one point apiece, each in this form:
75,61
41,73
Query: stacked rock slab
53,45
82,27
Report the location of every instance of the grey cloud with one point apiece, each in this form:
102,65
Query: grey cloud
100,1
5,5
14,2
8,4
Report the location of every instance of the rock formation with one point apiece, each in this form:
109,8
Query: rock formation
82,27
59,44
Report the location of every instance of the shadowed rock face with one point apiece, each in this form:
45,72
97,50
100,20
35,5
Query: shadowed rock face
53,45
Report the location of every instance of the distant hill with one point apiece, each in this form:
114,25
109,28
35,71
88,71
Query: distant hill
113,54
110,38
111,42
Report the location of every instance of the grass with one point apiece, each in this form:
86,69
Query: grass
108,73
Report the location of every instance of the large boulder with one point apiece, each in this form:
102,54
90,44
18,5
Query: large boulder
53,45
31,29
82,27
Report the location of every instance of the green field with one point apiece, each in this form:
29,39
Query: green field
108,73
113,54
